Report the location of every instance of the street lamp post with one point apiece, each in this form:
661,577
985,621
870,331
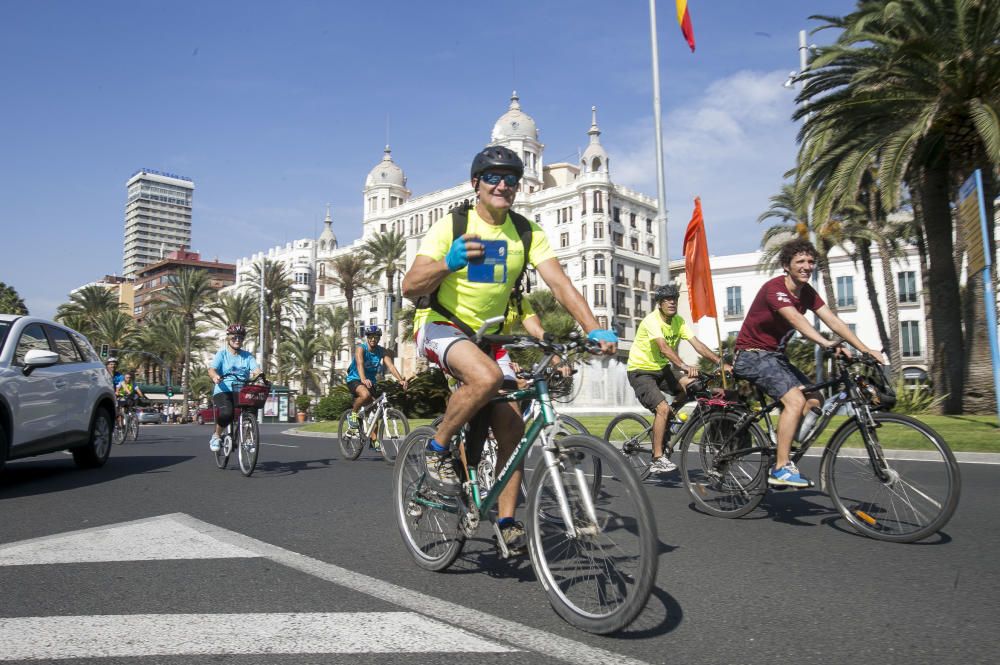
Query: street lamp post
661,186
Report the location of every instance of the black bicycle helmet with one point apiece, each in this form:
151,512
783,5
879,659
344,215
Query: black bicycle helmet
496,157
236,329
668,290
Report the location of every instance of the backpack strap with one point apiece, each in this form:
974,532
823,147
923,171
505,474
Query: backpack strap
459,225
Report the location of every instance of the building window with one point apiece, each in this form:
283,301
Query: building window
598,231
619,239
910,331
583,204
634,242
564,239
322,290
734,301
602,321
649,249
631,219
649,225
583,231
599,264
598,202
538,219
583,291
617,215
583,268
907,286
845,291
600,300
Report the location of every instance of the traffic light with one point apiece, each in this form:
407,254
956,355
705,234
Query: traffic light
170,391
104,350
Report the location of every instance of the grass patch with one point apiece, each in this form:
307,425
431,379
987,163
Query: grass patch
972,434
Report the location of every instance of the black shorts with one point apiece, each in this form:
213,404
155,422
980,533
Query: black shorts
224,405
770,371
650,386
353,387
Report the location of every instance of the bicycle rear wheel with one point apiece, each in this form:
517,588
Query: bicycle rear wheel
599,578
913,497
118,434
249,443
730,487
632,435
133,428
393,433
351,440
427,518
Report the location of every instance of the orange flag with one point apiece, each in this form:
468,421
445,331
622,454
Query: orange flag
684,18
699,274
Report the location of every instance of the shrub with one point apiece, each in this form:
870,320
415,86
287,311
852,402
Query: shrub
333,405
916,399
303,402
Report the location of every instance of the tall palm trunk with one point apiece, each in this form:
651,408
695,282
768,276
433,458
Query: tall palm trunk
945,300
394,311
892,310
824,264
185,386
865,252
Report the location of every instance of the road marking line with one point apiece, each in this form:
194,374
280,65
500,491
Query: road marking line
279,445
131,635
142,540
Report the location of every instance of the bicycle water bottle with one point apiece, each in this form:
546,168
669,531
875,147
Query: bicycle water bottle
682,415
805,429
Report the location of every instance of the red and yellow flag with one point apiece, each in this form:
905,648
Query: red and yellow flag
684,18
701,295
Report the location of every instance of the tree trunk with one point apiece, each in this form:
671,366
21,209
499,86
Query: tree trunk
185,385
865,252
393,313
824,264
942,285
892,308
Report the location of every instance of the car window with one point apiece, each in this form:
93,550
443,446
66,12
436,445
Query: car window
86,350
33,337
64,345
4,329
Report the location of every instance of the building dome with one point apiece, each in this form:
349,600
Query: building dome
595,158
515,123
386,172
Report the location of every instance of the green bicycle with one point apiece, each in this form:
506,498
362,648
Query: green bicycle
595,553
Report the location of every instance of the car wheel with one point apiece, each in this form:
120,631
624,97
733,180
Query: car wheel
96,452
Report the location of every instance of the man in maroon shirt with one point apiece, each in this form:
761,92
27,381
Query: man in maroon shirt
776,313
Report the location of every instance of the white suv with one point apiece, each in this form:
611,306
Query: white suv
55,393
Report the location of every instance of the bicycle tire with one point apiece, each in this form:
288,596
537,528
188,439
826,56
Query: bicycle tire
222,454
393,433
132,429
432,536
118,434
732,488
249,447
901,508
632,436
352,442
609,569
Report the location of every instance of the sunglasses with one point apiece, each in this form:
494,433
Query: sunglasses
509,179
239,337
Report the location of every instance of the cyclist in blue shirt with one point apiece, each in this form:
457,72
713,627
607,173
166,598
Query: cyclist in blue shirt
230,360
362,375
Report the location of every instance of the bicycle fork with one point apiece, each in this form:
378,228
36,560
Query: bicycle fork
551,462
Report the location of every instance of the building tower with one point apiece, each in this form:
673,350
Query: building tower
516,130
385,186
157,218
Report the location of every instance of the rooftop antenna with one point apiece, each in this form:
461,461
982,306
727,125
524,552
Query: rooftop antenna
387,129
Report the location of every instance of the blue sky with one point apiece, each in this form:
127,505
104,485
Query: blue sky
276,109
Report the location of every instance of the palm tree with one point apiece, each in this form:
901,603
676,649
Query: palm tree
349,273
115,328
10,301
386,255
84,306
301,350
917,85
332,320
187,295
281,301
553,316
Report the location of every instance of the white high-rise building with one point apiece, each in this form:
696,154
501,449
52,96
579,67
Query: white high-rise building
157,217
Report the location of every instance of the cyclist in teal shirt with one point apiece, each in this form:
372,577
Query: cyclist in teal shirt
230,360
362,375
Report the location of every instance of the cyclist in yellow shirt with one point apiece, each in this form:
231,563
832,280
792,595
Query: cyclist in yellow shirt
127,393
652,361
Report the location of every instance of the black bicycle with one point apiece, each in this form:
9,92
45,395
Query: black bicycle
243,432
890,476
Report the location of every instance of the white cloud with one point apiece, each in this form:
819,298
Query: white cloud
731,146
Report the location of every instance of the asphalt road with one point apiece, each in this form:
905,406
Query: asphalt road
159,554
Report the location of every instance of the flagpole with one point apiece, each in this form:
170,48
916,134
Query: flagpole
661,186
722,358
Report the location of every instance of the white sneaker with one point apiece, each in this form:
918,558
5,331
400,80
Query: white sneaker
662,465
215,445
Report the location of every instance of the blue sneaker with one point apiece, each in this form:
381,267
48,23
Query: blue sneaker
788,476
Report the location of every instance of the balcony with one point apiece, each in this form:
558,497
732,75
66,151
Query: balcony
846,304
639,284
734,312
622,311
621,279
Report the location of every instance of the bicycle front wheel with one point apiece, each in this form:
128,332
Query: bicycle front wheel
118,434
392,433
427,518
133,428
222,454
598,576
351,441
911,497
249,443
723,485
632,435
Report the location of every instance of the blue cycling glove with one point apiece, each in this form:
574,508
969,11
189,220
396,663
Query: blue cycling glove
457,257
603,336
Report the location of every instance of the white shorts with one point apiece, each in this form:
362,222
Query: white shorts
435,339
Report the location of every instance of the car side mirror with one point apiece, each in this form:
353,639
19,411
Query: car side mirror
36,358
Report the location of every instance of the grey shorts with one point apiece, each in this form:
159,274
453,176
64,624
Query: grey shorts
770,371
650,386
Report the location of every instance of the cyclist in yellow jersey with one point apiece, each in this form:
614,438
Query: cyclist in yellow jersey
649,365
472,295
127,393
